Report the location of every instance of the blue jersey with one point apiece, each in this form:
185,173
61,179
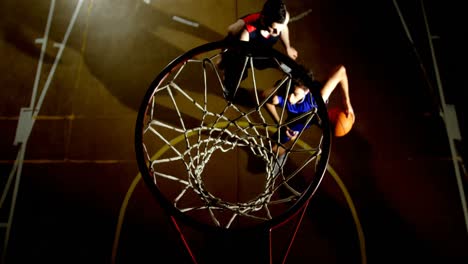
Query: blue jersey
307,104
295,110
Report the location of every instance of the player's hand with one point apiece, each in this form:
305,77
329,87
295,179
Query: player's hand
349,111
292,53
291,133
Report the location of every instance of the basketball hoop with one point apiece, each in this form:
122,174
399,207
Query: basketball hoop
210,161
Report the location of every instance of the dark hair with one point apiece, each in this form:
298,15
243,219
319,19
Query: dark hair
298,79
273,11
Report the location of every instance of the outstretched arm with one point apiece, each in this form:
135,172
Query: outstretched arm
339,77
292,52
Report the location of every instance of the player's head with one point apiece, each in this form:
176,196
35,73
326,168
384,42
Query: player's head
298,88
274,16
298,93
274,11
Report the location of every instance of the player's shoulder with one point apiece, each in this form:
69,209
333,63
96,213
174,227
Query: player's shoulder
250,28
251,18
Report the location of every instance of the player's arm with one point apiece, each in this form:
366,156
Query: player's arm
271,104
271,107
339,77
292,52
236,27
244,36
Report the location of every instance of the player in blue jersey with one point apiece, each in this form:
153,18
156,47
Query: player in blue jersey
300,101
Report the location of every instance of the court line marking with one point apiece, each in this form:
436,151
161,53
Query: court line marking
300,16
349,201
185,21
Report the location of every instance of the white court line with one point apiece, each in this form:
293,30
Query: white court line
300,16
185,21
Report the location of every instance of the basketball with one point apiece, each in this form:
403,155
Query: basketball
341,124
